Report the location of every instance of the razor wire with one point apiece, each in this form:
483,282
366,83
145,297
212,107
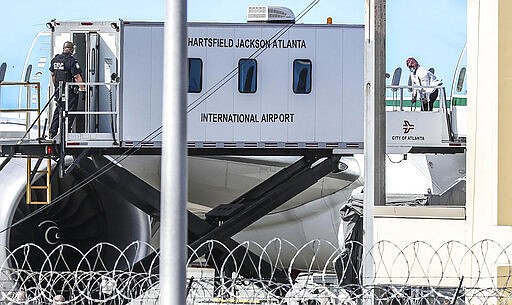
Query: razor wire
319,272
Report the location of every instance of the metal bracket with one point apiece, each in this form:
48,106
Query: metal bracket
76,161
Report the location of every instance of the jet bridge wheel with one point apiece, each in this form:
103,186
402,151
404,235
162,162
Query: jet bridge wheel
85,217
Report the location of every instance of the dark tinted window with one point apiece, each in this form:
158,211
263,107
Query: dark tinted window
195,75
302,76
247,75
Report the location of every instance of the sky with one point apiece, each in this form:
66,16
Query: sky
433,31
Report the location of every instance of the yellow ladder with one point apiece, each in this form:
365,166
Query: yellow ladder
46,187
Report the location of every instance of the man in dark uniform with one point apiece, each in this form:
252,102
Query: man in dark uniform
65,68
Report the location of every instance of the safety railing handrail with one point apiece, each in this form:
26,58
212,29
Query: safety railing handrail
413,86
112,97
400,88
27,110
18,83
88,84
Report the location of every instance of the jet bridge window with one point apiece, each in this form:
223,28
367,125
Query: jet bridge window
302,76
247,75
195,75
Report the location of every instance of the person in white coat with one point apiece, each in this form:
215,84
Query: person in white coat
422,77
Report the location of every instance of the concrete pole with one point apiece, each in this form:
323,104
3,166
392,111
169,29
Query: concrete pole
375,124
173,227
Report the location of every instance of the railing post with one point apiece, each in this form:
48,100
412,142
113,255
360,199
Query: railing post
62,127
447,115
401,99
38,86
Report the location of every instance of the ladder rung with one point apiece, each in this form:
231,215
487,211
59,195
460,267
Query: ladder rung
39,187
29,188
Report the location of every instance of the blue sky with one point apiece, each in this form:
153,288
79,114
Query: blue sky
433,31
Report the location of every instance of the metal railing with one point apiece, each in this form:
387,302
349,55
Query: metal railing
399,97
98,119
32,97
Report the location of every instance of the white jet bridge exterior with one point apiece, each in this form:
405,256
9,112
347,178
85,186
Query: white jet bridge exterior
275,86
252,88
250,85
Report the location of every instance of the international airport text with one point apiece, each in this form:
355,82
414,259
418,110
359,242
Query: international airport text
247,117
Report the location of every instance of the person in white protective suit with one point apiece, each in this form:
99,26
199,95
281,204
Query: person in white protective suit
421,77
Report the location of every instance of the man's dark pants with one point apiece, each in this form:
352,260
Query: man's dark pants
73,102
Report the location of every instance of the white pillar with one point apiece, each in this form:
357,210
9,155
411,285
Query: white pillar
173,215
375,123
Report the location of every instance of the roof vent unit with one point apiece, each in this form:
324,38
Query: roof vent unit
270,14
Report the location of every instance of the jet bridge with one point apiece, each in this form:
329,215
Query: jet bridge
300,94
